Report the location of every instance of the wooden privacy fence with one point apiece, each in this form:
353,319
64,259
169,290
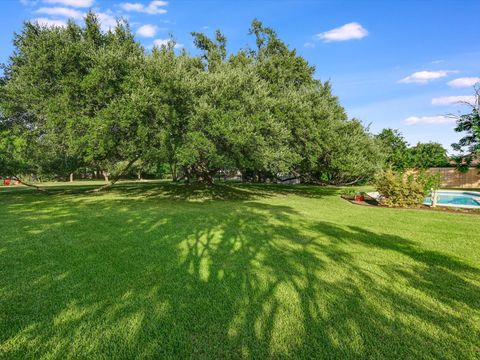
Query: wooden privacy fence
452,178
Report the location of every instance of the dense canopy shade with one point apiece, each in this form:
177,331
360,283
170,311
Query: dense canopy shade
78,97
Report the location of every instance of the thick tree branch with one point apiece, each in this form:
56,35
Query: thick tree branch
30,185
117,177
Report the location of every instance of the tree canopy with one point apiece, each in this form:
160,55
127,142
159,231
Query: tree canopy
431,154
469,124
75,97
399,155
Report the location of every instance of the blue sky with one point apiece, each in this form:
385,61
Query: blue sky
401,64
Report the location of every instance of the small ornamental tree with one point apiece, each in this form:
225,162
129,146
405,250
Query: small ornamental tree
405,189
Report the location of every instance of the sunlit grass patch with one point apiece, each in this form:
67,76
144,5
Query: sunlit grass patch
161,270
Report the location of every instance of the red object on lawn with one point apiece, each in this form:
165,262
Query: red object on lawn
6,182
359,198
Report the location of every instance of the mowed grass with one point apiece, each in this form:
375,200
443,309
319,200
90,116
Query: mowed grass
158,270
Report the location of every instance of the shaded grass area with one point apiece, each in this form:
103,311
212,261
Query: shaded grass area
160,270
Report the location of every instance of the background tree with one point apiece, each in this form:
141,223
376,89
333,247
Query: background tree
469,145
425,155
395,148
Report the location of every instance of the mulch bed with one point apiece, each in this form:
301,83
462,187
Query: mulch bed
421,207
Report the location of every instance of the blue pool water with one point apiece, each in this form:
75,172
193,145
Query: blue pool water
470,199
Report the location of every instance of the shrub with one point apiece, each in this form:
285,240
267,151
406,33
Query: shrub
349,193
429,181
405,189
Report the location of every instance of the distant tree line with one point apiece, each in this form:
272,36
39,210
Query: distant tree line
399,155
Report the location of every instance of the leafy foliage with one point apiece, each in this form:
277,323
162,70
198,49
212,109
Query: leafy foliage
77,97
349,193
428,181
400,156
350,155
395,148
469,145
405,189
425,155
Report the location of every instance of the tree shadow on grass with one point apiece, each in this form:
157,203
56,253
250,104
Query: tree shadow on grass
427,288
302,190
192,192
445,277
220,190
232,279
182,191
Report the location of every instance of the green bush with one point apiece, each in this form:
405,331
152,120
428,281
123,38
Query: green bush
349,193
405,189
428,181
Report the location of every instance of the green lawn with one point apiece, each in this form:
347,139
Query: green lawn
160,271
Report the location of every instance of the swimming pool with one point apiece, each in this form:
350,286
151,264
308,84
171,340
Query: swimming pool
455,198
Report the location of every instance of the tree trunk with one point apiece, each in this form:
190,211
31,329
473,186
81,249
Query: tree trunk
173,168
188,174
105,176
206,179
115,178
71,177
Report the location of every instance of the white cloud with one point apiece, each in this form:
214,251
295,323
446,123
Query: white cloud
165,42
154,7
161,42
309,45
429,120
464,82
147,30
61,11
453,100
132,7
107,20
437,61
49,22
73,3
423,77
346,32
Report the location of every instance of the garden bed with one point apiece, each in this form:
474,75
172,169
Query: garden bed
458,210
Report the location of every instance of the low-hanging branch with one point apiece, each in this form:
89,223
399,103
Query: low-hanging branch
30,185
117,177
